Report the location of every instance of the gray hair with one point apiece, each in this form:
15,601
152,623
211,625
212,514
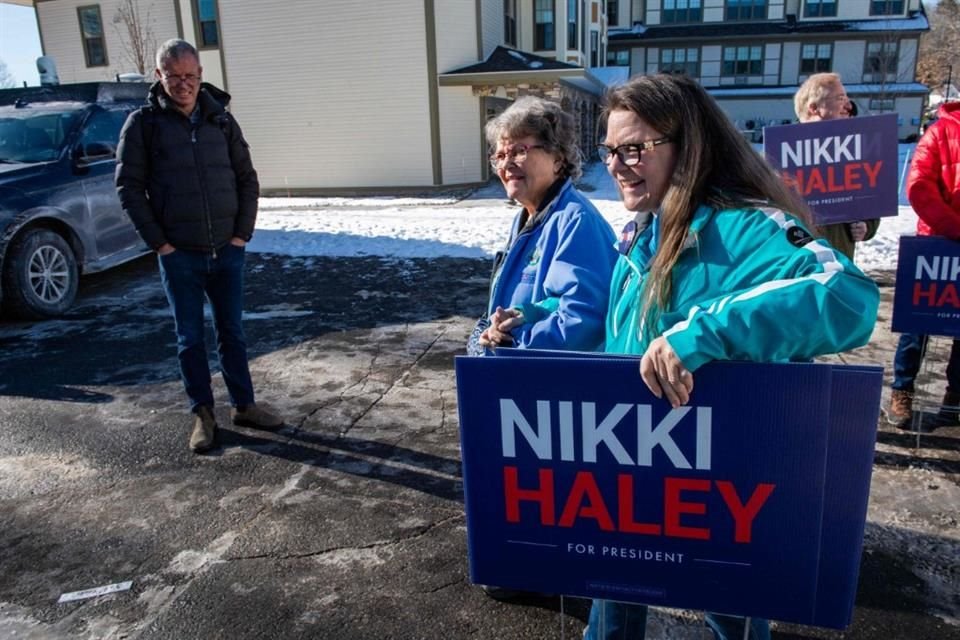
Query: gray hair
547,122
813,91
175,49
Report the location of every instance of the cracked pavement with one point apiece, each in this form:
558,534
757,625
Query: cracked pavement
348,523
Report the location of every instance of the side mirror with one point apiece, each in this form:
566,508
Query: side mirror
94,151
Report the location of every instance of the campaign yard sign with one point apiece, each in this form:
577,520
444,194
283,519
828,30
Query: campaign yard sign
845,169
751,500
926,300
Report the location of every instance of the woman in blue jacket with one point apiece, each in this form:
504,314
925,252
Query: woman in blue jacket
721,266
549,287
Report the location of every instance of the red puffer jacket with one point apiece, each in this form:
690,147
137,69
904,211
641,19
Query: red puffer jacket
933,185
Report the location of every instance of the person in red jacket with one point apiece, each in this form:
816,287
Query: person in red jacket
933,188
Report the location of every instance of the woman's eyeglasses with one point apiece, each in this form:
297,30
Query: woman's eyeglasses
516,153
629,154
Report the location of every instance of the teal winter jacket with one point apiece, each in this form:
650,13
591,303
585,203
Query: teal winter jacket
750,284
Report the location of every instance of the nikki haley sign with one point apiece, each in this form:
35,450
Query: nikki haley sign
749,501
926,300
846,169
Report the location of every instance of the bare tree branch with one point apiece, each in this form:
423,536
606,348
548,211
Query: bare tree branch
6,78
136,34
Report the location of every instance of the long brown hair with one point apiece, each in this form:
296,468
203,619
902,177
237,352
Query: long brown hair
715,165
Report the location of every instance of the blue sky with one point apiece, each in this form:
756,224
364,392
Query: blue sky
20,42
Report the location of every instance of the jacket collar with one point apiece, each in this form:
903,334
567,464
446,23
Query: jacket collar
211,100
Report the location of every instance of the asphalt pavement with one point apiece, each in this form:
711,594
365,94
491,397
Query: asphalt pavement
348,523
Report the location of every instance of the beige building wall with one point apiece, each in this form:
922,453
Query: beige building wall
60,31
491,12
456,33
460,135
361,115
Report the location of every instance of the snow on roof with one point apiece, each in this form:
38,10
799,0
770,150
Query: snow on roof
916,21
610,76
855,89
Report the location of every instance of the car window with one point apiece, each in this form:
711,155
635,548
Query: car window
102,132
34,137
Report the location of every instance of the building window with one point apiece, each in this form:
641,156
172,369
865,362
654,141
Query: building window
742,61
91,32
613,13
594,48
820,9
886,7
746,9
208,35
815,58
880,64
572,23
680,11
618,58
510,22
543,33
680,61
878,105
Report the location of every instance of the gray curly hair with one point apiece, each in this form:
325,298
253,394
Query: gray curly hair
547,122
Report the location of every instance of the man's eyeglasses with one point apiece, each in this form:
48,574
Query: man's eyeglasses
629,154
184,79
516,153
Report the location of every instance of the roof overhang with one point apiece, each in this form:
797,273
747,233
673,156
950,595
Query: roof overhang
22,3
578,78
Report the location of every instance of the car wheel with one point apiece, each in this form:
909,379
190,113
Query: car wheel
40,275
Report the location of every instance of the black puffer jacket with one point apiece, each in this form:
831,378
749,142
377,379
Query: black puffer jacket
194,190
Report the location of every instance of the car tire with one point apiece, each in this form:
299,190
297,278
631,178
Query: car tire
40,275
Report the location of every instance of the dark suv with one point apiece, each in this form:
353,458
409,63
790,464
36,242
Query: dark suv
59,211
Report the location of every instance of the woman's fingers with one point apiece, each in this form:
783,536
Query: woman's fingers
510,319
664,373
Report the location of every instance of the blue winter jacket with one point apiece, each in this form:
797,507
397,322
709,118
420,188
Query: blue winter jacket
556,271
750,284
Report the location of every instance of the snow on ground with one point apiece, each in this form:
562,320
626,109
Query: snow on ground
472,227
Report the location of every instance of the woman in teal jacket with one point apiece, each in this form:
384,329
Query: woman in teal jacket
718,265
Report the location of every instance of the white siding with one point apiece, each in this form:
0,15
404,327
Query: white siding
710,65
332,94
791,62
848,60
907,60
60,27
456,28
762,111
775,10
638,59
460,134
492,18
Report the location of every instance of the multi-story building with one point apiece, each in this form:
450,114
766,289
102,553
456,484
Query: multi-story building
346,96
752,54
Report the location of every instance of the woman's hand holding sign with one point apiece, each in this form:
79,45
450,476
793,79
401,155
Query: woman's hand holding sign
664,374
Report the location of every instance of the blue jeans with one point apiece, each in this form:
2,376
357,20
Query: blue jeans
190,277
906,362
629,622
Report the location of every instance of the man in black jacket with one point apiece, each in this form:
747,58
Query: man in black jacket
185,178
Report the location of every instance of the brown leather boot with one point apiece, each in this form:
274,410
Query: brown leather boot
901,407
949,413
256,418
204,434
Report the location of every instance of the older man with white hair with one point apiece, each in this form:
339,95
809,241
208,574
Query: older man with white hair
823,97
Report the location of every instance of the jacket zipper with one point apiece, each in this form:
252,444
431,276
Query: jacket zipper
203,188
